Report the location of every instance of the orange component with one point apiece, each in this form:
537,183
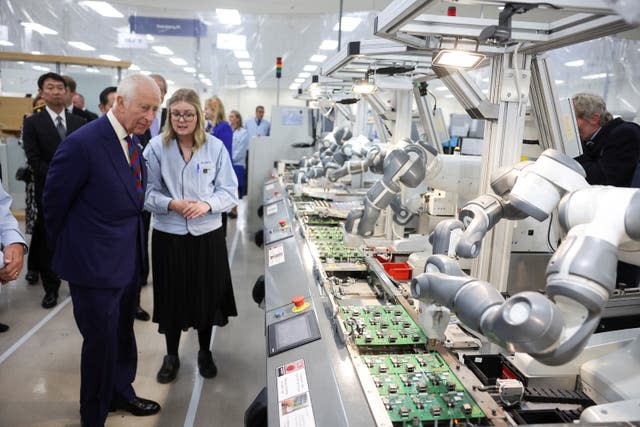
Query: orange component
451,11
398,270
298,301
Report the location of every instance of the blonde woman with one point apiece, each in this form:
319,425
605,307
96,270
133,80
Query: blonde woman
191,182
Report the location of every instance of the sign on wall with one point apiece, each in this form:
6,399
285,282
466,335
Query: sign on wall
167,26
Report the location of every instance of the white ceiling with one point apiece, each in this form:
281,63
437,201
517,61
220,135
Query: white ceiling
292,29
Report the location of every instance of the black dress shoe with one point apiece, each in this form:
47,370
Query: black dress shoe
50,300
3,328
141,314
32,277
205,364
139,407
169,369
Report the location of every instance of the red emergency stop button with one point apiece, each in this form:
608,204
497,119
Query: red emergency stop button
298,301
282,223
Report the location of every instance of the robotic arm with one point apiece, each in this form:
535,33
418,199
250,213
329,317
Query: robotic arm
406,164
602,223
526,189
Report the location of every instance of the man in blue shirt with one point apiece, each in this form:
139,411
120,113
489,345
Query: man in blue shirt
258,126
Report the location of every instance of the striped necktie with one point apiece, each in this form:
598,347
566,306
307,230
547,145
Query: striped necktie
62,131
136,166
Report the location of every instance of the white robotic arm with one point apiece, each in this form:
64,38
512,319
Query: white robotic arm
601,222
405,164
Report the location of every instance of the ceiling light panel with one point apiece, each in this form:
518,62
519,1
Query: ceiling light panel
103,8
576,63
231,41
178,61
241,54
310,67
329,45
190,70
304,75
38,28
162,50
318,58
82,46
252,85
109,58
5,43
245,64
229,16
247,72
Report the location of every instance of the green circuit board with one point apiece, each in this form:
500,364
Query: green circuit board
317,233
334,251
381,325
313,219
420,389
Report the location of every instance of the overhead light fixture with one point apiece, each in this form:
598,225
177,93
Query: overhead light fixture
304,75
92,70
250,78
189,70
310,67
329,45
81,46
241,54
299,80
559,82
39,28
231,41
245,64
162,50
41,68
594,76
348,24
170,82
363,86
318,58
5,43
103,8
247,72
145,72
457,59
228,16
150,38
294,86
178,61
134,67
36,52
109,58
252,85
575,63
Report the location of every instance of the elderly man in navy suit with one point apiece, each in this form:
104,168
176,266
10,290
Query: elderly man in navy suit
93,200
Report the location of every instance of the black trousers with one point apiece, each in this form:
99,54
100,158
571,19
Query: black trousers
43,253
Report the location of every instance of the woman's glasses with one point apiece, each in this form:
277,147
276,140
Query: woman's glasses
187,117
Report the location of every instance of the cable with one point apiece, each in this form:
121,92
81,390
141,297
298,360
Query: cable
549,233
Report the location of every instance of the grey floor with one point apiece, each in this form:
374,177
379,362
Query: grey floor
40,356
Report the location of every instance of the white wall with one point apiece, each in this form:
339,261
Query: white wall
245,100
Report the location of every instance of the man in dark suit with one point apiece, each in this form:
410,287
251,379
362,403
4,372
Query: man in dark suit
78,103
93,201
71,92
41,134
611,151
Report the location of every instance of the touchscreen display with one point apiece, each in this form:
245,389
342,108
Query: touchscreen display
292,331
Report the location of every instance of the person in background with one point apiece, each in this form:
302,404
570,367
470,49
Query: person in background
258,126
240,146
161,118
191,182
41,134
220,128
611,151
93,201
31,209
12,244
107,96
71,108
78,102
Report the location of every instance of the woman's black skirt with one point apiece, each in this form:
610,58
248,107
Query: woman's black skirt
191,281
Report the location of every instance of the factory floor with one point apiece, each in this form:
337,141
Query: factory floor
40,356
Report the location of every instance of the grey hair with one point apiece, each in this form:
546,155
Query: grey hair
588,104
162,79
128,85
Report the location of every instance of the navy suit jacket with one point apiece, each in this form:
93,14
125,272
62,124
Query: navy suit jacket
92,211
